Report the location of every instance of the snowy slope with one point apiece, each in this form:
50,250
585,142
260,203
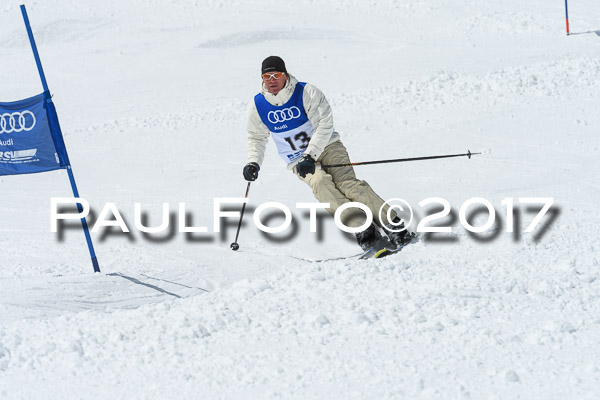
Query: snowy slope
151,96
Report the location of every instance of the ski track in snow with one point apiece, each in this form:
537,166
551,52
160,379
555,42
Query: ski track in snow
152,98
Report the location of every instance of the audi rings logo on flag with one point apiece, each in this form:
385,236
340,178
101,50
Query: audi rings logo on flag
17,121
286,114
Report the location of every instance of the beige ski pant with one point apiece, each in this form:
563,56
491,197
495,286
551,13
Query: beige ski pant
339,185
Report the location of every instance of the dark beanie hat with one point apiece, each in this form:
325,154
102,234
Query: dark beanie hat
273,63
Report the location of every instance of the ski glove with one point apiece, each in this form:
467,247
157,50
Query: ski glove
251,171
305,166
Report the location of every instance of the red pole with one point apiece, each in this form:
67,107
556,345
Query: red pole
567,16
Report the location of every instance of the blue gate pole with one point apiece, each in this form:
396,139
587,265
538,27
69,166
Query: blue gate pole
86,231
38,62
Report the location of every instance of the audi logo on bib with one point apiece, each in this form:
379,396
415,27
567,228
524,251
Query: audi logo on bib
17,122
286,114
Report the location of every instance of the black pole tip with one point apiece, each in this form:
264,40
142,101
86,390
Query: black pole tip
234,246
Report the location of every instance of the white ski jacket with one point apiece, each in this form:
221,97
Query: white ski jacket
318,111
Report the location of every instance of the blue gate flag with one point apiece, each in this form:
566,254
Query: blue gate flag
30,137
31,140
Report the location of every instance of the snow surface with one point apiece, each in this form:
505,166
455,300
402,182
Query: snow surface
151,97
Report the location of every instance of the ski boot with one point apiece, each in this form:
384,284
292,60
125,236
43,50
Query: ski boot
398,238
367,238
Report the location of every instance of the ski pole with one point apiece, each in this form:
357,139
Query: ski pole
567,16
468,154
234,246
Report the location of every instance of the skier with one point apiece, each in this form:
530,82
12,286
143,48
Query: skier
299,118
